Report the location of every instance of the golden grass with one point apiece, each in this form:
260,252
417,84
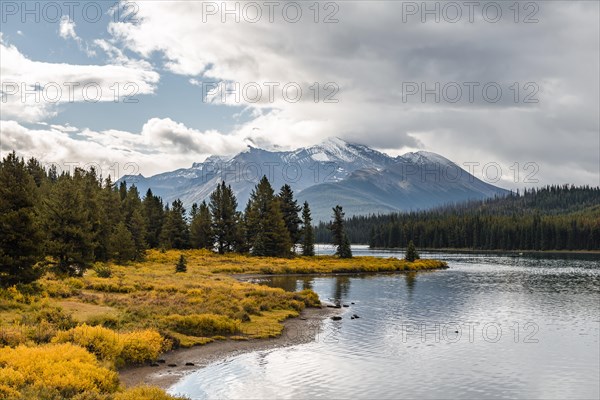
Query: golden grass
206,262
86,312
144,308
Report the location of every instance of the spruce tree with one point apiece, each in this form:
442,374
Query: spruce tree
132,211
340,240
90,185
267,232
68,228
110,216
290,209
153,212
122,244
345,251
223,205
181,265
175,232
20,237
411,252
201,236
308,235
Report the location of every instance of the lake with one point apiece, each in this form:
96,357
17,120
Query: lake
491,326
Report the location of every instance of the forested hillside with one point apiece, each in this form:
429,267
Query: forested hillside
549,218
67,222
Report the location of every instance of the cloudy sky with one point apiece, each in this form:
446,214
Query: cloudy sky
152,86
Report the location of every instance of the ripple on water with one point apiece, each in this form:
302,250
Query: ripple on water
541,314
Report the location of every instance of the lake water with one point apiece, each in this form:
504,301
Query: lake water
528,327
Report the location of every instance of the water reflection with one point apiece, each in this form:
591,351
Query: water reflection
410,279
341,288
528,326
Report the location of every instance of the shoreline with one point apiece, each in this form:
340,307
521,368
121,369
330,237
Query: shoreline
249,277
469,250
299,330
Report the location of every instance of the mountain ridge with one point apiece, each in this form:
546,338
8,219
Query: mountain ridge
361,179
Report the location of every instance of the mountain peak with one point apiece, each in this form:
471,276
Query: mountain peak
334,141
424,157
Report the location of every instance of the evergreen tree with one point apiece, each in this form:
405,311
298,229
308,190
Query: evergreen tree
68,227
37,172
90,185
290,209
223,205
132,210
345,251
266,230
181,264
241,243
153,212
20,236
340,240
123,190
175,232
308,235
201,236
411,252
122,244
110,216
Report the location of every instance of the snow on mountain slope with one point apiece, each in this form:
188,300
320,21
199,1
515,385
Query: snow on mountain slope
361,179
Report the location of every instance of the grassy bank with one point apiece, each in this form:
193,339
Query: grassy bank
66,337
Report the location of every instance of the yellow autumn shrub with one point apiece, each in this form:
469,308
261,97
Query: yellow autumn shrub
63,370
141,346
119,348
201,324
144,393
102,342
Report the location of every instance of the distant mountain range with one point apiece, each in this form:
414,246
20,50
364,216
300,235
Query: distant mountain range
361,179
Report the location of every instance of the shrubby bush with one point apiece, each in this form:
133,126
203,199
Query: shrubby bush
102,342
140,346
55,370
118,348
201,324
144,393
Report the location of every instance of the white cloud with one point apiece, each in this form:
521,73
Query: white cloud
370,52
60,83
67,28
162,144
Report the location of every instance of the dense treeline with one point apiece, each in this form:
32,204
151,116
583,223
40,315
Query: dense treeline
69,221
549,218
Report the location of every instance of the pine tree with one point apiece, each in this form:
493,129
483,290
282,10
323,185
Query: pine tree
340,240
90,185
175,232
308,235
411,252
181,264
201,236
153,212
132,210
266,230
68,228
223,205
345,251
290,209
110,216
20,236
122,244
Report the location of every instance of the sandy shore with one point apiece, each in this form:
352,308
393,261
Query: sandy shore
302,329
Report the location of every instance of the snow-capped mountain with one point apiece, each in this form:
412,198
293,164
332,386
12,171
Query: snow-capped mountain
414,181
355,176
